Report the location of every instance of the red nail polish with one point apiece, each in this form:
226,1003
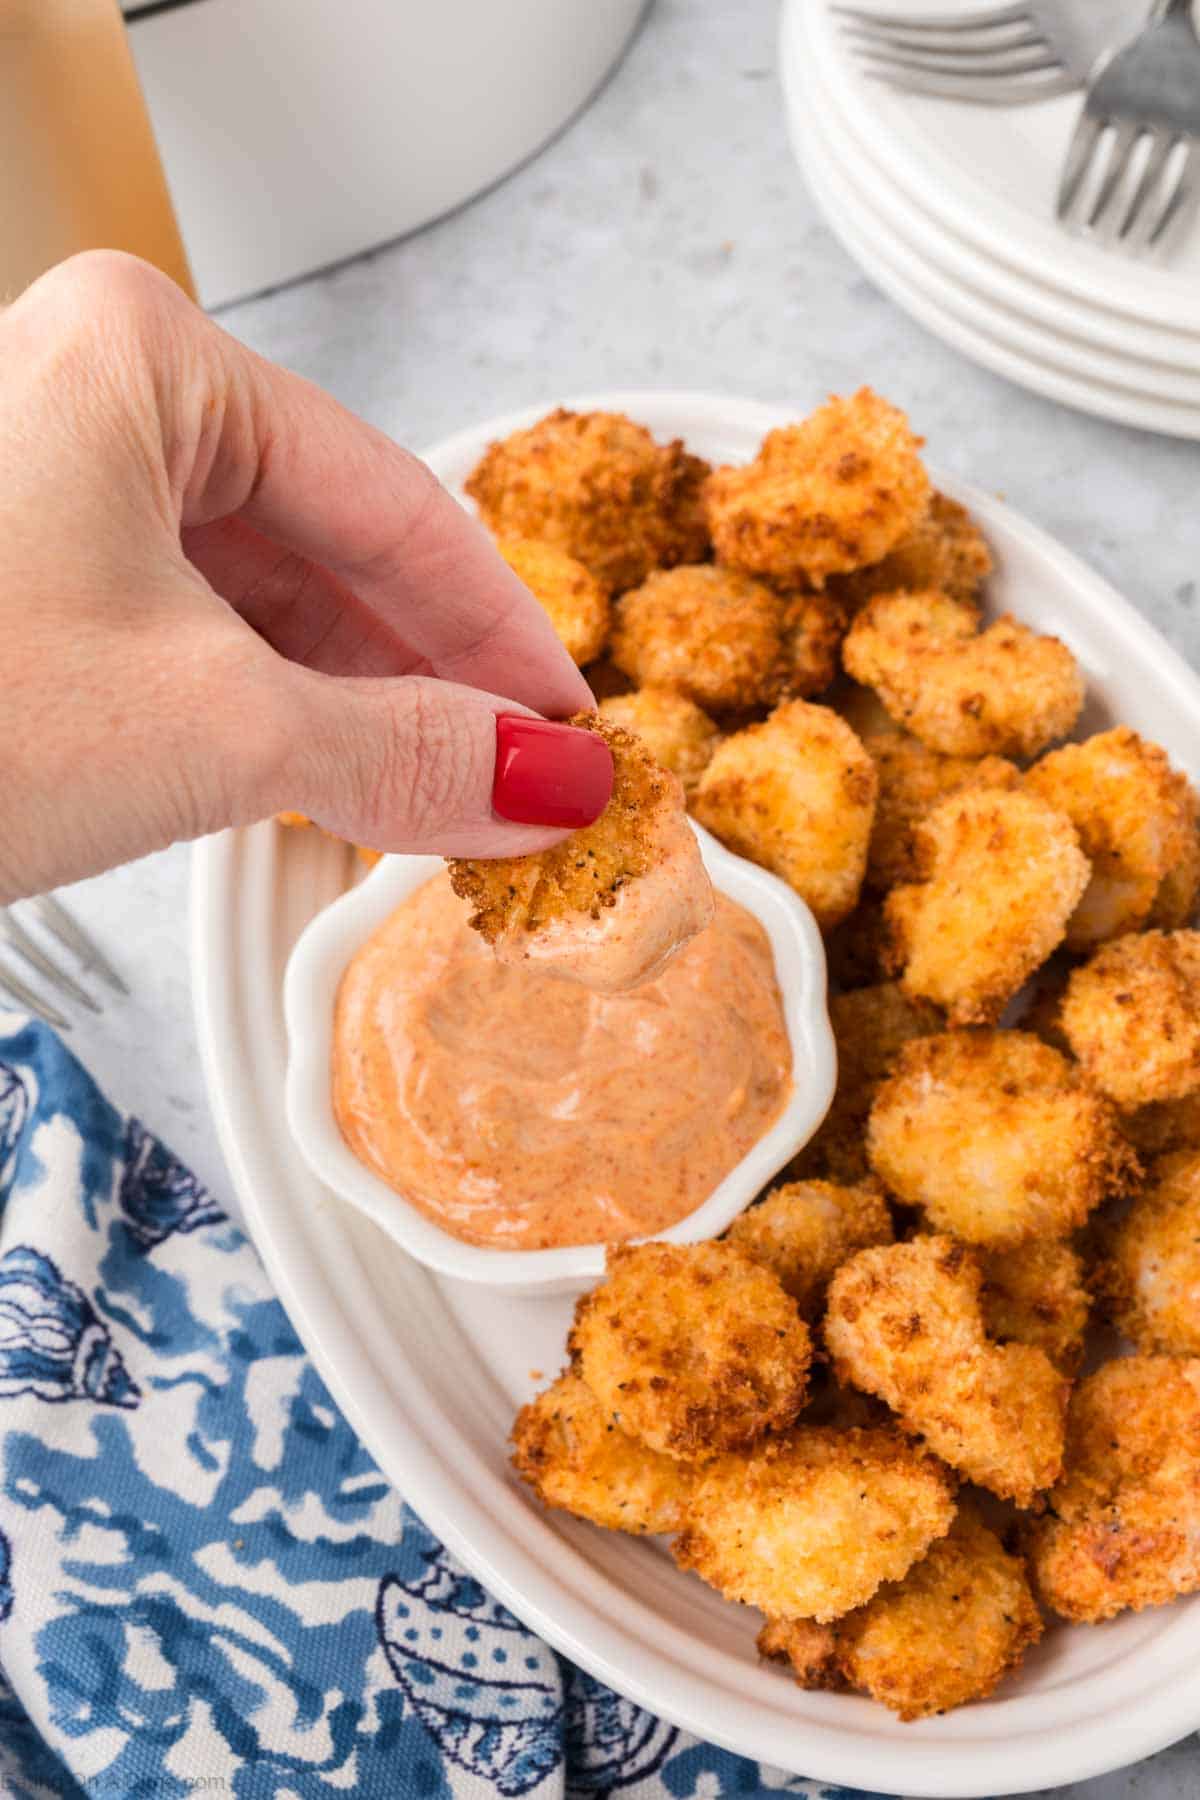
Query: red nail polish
550,774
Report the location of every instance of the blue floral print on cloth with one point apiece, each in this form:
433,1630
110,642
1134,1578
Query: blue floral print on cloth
206,1586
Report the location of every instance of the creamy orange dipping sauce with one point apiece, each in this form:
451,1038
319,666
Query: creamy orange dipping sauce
524,1112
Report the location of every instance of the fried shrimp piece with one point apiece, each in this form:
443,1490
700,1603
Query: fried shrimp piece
576,603
1132,1017
912,779
679,736
1148,1277
1004,691
1178,893
831,494
573,1457
813,628
796,794
905,1322
692,1348
1004,874
1135,816
597,486
810,1524
1035,1294
809,1648
1123,1525
711,633
946,551
995,1137
804,1230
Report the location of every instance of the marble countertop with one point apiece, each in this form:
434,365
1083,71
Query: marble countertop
664,240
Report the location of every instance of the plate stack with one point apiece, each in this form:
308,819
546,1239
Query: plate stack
949,207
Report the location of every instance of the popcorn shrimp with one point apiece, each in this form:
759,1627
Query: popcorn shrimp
713,634
912,779
945,550
1132,1017
1148,1277
679,736
1035,1294
804,1230
575,602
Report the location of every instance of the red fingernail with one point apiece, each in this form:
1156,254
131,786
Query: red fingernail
550,774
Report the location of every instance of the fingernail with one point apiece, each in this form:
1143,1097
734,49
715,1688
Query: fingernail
550,774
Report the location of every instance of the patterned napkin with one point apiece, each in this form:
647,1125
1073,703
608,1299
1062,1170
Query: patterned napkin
206,1586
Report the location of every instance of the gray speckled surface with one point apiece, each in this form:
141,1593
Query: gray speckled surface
666,240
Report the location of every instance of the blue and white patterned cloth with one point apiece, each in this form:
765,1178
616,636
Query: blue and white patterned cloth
205,1583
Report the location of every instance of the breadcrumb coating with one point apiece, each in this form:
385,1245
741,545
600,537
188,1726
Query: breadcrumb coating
834,493
1005,691
813,628
946,550
1148,1276
711,633
1175,903
692,1348
1004,874
1035,1293
1123,1526
905,1323
679,736
804,1230
1135,816
796,794
599,487
809,1648
995,1137
863,711
1132,1017
810,1524
573,1457
912,779
576,603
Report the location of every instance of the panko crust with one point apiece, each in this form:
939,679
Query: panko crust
576,604
1004,873
599,487
572,1455
712,633
677,733
813,628
804,1230
905,1323
692,1348
1005,691
1148,1275
796,794
1123,1526
912,780
1136,819
810,1650
833,493
996,1138
1036,1294
1132,1017
586,871
812,1523
945,550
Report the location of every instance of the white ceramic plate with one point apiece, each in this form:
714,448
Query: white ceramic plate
429,1372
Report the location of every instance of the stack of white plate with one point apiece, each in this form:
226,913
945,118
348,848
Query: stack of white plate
950,209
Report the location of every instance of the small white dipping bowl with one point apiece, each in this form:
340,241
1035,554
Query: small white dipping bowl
315,970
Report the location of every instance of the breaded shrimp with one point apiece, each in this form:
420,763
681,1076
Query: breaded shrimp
945,550
1004,874
831,494
573,1456
1135,816
912,779
692,1348
1004,691
1123,1525
1148,1276
905,1322
813,628
1179,891
711,633
804,1230
995,1137
796,794
554,908
811,1523
597,486
1035,1294
809,1648
863,711
1132,1017
576,603
679,736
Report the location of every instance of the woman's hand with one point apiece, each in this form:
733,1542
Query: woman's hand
221,596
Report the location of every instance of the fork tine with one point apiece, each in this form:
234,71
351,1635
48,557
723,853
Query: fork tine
1180,196
933,65
986,20
20,940
57,919
1087,136
1125,142
1151,175
32,1002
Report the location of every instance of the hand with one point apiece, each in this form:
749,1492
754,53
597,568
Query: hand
222,596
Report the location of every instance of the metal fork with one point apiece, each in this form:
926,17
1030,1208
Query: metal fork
1004,55
57,921
1131,167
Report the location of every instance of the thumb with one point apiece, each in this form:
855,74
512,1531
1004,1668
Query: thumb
411,765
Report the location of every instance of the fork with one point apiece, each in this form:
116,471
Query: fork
1004,55
1138,136
57,921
